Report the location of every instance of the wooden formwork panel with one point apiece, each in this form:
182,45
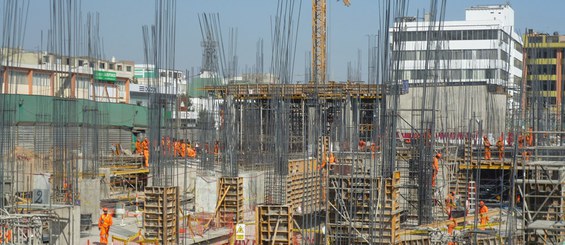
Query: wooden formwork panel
230,193
362,226
304,186
273,225
301,166
160,219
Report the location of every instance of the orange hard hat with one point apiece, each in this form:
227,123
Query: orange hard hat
105,209
438,155
481,203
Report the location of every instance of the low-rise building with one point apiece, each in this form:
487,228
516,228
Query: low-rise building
41,73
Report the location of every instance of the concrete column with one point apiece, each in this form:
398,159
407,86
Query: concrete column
30,82
52,85
73,85
127,90
6,81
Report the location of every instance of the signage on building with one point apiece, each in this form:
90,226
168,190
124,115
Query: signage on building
40,196
185,115
105,76
144,73
240,232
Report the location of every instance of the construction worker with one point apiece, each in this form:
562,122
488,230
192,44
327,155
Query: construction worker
435,167
145,146
500,147
450,203
362,145
190,151
5,235
183,149
487,145
374,149
332,158
530,137
216,148
450,228
138,148
483,210
104,224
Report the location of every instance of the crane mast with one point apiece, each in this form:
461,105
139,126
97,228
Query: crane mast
319,50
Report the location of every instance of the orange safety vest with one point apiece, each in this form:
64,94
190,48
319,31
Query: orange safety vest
105,221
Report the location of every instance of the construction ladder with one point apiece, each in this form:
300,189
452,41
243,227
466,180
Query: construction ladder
472,196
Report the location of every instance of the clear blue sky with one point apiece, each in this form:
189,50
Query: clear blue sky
121,22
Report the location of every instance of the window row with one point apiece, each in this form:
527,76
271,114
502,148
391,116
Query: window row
454,74
490,54
449,35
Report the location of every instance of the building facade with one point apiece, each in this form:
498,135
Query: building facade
481,55
482,48
542,88
39,73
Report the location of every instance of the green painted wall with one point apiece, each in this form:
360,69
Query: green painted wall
197,84
37,109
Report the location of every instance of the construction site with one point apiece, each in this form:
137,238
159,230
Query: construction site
445,142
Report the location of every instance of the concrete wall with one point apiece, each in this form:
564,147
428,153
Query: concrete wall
104,192
67,230
90,197
206,193
455,106
253,189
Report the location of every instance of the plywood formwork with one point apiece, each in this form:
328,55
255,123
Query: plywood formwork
362,209
304,186
273,225
230,192
160,219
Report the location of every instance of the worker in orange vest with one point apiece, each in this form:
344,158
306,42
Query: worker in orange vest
138,148
145,146
183,149
5,235
190,152
530,137
487,145
450,203
450,227
362,145
435,168
500,147
483,210
104,224
374,149
216,148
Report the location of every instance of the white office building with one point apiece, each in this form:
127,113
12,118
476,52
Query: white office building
483,48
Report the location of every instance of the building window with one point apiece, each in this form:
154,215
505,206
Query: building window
128,68
102,65
517,63
535,39
112,66
120,68
518,47
80,62
490,74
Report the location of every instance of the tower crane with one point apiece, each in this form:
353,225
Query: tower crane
319,59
